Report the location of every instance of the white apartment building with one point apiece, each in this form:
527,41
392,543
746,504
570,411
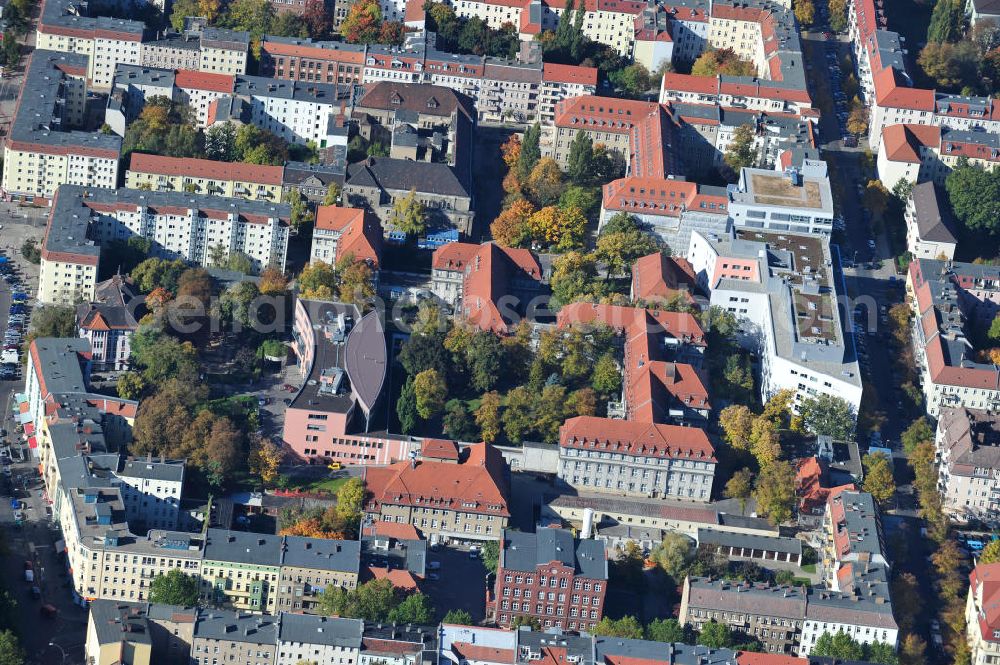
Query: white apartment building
981,616
44,149
181,225
928,235
106,42
782,289
151,490
318,639
948,296
967,444
799,200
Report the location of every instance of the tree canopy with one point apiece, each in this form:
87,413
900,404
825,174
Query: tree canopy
174,588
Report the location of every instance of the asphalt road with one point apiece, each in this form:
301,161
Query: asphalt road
34,541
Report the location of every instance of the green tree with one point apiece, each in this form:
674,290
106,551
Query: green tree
220,142
155,272
990,553
627,626
974,195
881,652
716,635
30,251
742,149
828,415
485,357
581,158
574,278
841,646
409,215
838,15
518,414
53,321
666,630
876,198
332,196
607,377
318,281
162,357
174,588
946,22
253,16
457,422
374,601
415,609
130,385
619,249
489,553
918,432
634,79
181,9
11,652
350,498
458,617
431,392
406,407
674,554
488,416
878,476
740,486
531,151
774,491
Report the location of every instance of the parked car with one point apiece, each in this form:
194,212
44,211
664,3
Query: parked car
49,611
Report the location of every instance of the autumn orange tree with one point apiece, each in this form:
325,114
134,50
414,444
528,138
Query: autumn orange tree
265,459
510,228
272,281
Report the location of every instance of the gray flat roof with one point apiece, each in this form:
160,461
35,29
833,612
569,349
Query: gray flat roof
240,546
117,621
308,629
170,470
527,551
36,110
750,541
320,553
223,625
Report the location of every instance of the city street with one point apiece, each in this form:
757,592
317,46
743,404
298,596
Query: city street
34,541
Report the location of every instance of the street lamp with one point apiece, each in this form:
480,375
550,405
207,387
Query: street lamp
61,650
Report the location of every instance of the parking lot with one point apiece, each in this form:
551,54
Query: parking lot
460,583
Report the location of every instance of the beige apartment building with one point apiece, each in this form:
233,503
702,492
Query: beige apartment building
44,149
204,176
309,566
461,497
241,569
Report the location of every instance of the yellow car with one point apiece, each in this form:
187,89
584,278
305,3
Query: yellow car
334,466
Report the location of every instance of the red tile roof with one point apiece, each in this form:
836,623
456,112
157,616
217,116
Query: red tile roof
569,74
453,256
441,449
658,277
360,232
605,114
903,142
476,485
206,168
192,80
636,438
660,196
401,579
392,530
985,583
488,277
751,658
478,652
891,91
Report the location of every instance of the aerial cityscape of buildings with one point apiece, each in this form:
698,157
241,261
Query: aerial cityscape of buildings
501,332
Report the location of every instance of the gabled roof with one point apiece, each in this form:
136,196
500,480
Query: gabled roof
476,484
985,582
661,277
636,438
360,232
903,142
206,168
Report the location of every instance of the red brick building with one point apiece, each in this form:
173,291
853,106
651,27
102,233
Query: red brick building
552,577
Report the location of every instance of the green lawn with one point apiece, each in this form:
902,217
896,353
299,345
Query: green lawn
330,485
810,568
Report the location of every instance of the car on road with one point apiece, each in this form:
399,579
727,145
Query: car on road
434,577
433,565
287,402
36,593
48,611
